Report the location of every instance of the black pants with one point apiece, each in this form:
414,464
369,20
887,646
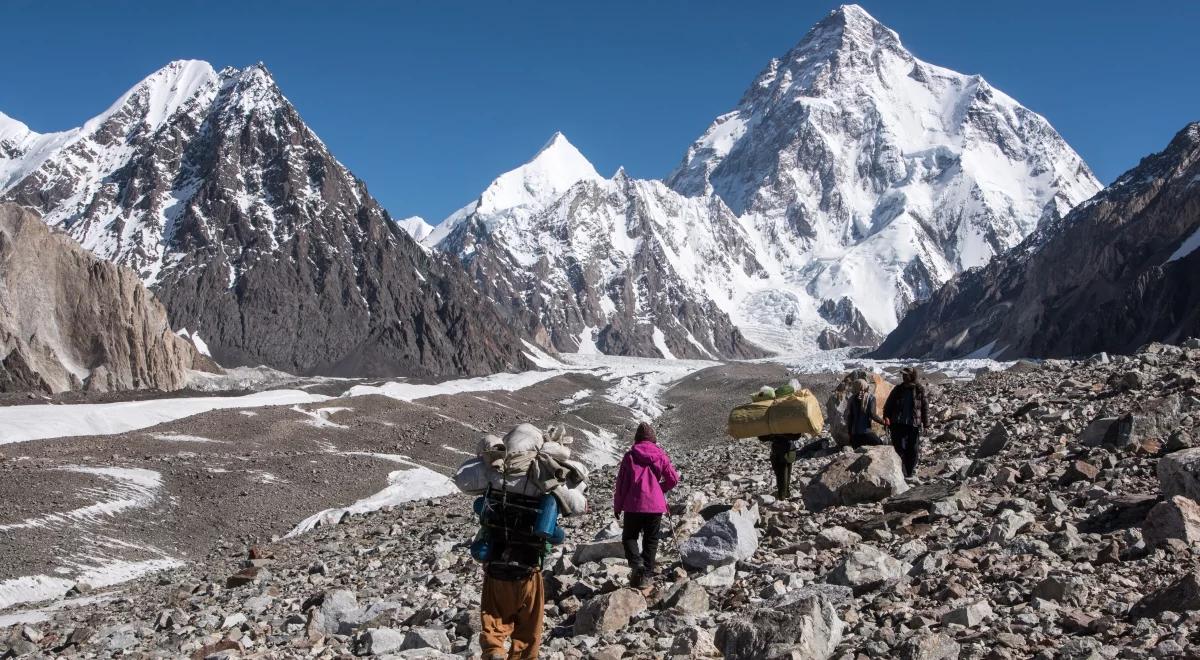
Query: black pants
868,439
907,442
645,525
782,467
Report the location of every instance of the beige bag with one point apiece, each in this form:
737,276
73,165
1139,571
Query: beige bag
750,420
796,414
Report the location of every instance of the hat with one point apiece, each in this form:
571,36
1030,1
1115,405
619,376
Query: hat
645,432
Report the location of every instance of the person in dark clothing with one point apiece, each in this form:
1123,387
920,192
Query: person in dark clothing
644,478
860,412
783,454
907,413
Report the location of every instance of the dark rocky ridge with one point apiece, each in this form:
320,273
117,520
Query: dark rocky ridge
71,321
1102,279
254,236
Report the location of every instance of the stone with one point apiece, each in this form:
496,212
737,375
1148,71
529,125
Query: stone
427,638
614,652
718,578
598,550
377,641
1179,474
1183,595
866,569
1063,589
1008,524
727,537
1176,518
994,442
1080,471
870,474
337,606
836,537
937,499
808,626
609,612
1123,511
968,615
687,597
930,646
693,642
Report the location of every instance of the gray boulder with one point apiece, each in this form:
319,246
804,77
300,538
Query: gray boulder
598,550
930,646
1176,518
376,641
866,569
1179,474
867,475
806,626
1183,595
994,442
727,537
609,612
339,606
427,638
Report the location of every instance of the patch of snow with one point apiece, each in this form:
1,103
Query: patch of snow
603,448
35,422
660,342
131,488
587,341
181,437
319,417
1189,245
576,397
417,483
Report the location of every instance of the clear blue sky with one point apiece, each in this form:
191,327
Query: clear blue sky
428,101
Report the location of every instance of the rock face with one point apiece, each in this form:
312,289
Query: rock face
868,475
620,266
70,321
1121,270
254,237
821,159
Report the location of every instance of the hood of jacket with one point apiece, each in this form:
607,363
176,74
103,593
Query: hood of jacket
645,453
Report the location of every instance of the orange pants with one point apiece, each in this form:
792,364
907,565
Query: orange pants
512,609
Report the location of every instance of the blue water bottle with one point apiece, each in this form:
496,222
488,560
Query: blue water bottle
547,520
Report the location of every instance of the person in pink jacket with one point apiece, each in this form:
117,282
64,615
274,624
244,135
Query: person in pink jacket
644,478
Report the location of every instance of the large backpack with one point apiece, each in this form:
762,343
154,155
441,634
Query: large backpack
515,532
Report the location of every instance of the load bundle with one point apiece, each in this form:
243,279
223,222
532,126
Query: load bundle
835,406
786,410
527,462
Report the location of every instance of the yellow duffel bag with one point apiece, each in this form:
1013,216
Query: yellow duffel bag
750,420
798,413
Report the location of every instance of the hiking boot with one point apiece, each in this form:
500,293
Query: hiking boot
637,579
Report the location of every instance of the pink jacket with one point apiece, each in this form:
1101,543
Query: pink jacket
644,476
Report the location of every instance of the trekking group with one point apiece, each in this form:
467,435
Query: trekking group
527,479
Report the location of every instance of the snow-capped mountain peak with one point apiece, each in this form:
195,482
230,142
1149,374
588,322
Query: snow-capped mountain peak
872,177
525,190
416,227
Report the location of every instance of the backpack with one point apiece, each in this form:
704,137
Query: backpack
515,532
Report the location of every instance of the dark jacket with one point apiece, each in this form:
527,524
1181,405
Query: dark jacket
907,405
858,419
781,445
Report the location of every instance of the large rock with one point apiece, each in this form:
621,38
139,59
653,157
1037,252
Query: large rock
835,405
938,499
930,646
994,442
71,321
807,626
727,537
1176,518
1179,474
377,641
609,612
337,607
597,550
853,477
867,568
1183,595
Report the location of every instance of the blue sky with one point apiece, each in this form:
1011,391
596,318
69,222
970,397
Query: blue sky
428,101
